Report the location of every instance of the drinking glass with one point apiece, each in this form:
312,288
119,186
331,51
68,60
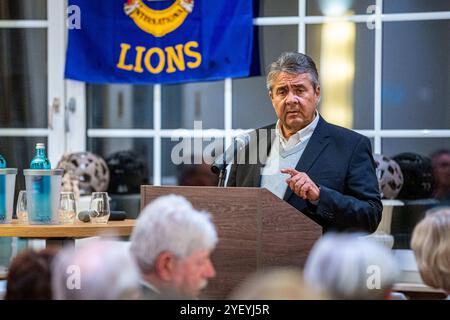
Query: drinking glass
21,208
67,208
99,207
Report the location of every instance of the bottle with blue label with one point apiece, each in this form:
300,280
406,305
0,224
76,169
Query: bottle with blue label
2,190
41,189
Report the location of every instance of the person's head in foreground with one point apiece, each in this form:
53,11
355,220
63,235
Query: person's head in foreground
172,243
348,266
98,270
275,284
431,245
29,276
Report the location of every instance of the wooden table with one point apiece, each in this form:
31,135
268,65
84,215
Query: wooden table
67,233
419,291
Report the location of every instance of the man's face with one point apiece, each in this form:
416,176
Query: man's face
193,272
442,169
294,100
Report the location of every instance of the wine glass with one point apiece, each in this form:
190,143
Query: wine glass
21,208
99,207
67,208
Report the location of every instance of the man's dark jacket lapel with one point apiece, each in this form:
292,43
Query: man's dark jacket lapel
316,144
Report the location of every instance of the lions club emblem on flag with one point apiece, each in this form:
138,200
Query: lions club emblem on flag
158,22
164,42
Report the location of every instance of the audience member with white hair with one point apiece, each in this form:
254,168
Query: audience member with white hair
172,243
99,270
280,283
348,266
431,245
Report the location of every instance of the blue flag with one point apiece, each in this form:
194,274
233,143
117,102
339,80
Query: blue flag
172,41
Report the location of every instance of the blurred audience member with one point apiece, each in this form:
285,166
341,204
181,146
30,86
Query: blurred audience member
440,161
172,243
348,266
196,175
29,276
431,245
99,270
275,284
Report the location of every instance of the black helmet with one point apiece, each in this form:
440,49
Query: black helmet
128,172
417,173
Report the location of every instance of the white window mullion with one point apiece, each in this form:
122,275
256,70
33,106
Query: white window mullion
29,24
23,132
378,76
416,16
302,26
157,139
56,56
228,112
424,133
275,21
76,131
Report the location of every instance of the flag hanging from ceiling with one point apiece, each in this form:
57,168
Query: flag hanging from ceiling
171,41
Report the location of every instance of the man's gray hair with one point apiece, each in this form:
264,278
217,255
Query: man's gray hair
171,224
293,63
345,266
98,270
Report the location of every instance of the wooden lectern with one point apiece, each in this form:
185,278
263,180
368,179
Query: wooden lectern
256,230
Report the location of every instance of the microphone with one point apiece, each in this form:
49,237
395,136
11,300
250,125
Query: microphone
222,161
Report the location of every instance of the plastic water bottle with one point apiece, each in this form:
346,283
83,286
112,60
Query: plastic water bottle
2,190
41,191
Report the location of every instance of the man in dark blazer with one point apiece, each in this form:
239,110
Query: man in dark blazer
325,171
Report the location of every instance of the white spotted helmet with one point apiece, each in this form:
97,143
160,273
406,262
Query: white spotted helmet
90,169
390,177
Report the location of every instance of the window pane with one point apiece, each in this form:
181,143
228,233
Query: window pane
415,86
274,40
23,78
276,8
423,146
143,147
115,106
23,9
251,104
184,104
344,56
250,96
337,7
400,6
180,156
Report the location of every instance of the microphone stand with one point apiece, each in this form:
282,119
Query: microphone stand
222,176
223,167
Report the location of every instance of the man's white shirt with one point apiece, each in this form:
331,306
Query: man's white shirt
285,153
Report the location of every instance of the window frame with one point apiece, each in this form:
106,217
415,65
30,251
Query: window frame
77,138
55,26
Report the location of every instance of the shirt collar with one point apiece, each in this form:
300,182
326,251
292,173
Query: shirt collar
149,285
299,136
